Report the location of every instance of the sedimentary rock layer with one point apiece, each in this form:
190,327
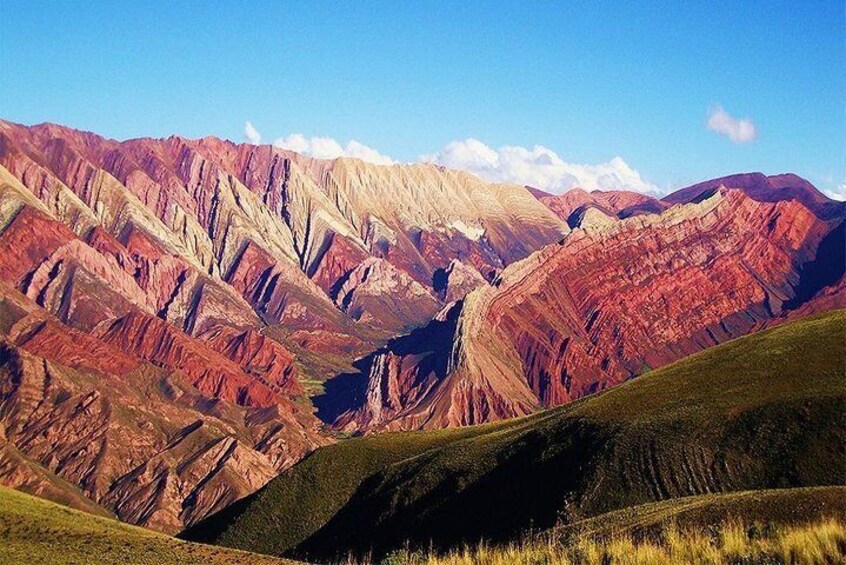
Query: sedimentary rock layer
613,299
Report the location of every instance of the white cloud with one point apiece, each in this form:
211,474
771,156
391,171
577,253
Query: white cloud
836,193
251,134
328,148
738,130
539,167
365,153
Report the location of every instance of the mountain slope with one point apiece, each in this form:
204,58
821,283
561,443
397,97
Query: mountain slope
764,189
162,303
763,411
35,530
613,299
139,437
783,506
571,205
279,228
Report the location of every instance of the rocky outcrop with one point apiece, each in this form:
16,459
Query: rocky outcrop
609,303
154,340
410,383
258,355
456,280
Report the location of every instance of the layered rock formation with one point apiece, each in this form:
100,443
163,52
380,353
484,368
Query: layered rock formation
454,282
166,306
613,299
154,442
375,288
282,230
161,297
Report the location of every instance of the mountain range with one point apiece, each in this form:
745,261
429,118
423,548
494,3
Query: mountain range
182,320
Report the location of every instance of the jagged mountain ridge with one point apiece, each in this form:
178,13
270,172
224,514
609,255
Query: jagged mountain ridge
170,292
229,208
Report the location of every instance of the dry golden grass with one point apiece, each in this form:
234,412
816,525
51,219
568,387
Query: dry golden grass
821,542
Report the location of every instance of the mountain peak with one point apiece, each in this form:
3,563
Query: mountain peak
774,188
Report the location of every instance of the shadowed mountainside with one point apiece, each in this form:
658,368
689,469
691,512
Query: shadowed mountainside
763,411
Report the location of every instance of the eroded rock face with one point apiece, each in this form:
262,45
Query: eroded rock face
160,443
160,298
283,230
240,383
608,303
206,273
458,279
208,199
377,288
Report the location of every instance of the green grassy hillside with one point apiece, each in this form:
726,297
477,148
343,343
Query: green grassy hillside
802,525
780,507
33,530
761,412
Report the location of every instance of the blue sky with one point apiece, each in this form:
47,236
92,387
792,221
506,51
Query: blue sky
587,82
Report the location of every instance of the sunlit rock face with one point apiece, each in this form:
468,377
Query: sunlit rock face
162,298
615,298
166,305
282,230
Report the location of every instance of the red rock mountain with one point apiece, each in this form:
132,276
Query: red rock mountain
162,300
168,306
571,205
613,299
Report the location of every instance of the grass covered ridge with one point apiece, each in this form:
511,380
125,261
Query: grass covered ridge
782,507
33,530
818,542
760,412
802,525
